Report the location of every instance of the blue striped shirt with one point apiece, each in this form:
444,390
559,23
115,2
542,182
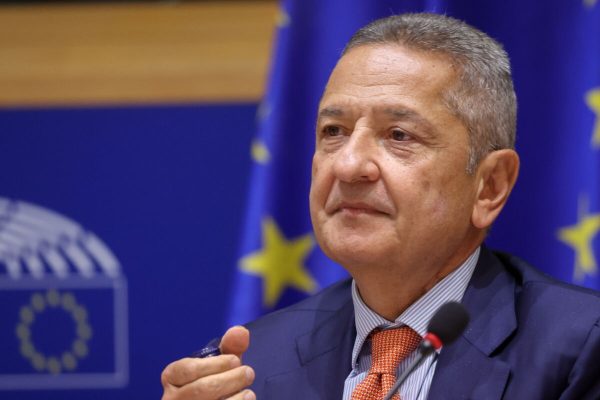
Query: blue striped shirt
417,316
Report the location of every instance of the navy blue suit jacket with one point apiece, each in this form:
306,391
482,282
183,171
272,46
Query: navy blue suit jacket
530,337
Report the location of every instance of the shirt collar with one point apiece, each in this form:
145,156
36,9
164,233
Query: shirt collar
418,314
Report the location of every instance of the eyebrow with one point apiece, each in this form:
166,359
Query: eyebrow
406,113
400,113
331,112
410,115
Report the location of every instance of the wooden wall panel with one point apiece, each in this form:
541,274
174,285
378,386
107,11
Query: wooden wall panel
134,53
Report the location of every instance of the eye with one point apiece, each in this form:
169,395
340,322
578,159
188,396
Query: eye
400,136
332,130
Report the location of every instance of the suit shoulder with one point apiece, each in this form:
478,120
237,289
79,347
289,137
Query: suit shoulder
549,293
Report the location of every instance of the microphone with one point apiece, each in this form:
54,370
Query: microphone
446,325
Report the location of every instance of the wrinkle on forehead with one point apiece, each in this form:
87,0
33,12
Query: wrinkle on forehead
375,69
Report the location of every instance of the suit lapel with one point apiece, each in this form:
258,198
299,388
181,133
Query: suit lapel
467,369
325,356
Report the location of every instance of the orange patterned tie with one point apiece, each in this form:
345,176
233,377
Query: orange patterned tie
388,348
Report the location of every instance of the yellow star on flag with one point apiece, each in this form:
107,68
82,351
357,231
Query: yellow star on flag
580,237
282,19
592,98
259,152
280,263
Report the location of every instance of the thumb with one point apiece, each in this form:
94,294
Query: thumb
235,341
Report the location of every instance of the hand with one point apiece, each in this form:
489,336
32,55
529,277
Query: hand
212,378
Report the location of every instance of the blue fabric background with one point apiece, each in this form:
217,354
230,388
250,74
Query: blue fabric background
169,189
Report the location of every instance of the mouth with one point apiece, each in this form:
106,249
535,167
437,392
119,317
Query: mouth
356,209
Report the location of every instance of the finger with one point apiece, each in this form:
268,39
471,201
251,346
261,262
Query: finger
218,385
186,370
243,395
235,341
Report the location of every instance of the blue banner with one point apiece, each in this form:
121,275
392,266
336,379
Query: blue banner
117,230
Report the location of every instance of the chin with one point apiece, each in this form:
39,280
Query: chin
351,254
350,244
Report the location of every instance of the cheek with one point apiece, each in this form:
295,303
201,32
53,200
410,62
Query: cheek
428,198
320,182
317,196
451,202
433,200
439,209
425,185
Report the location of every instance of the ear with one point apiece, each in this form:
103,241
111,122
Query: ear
496,174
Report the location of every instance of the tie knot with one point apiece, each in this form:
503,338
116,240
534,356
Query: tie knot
390,346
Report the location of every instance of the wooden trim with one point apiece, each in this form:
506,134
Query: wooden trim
134,53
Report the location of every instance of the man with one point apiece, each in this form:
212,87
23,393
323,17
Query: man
414,161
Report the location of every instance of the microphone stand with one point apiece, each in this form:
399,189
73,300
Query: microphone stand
425,349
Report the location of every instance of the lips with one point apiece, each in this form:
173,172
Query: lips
356,208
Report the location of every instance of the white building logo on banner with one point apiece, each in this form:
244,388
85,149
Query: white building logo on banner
63,304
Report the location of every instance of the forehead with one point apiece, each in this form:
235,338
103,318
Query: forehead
372,71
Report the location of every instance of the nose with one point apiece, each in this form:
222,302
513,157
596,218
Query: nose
355,161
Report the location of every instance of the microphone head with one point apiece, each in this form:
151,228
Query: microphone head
448,322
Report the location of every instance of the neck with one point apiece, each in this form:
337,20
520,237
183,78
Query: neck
390,291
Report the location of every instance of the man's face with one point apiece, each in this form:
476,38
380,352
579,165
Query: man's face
389,181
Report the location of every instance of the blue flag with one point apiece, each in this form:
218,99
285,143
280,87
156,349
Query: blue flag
553,217
556,205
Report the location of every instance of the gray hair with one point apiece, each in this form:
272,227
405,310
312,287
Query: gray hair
483,98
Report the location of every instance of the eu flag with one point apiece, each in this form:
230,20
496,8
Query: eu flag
553,217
